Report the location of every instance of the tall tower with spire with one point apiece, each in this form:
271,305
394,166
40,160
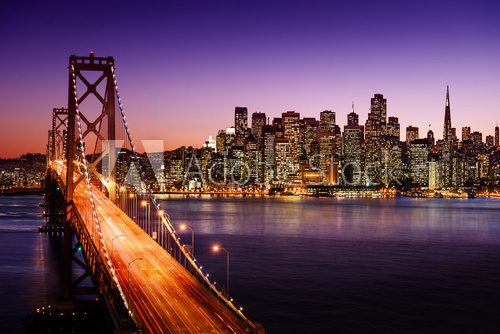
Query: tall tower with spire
447,114
447,148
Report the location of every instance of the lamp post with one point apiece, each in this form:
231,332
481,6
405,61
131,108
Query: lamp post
128,277
184,227
133,206
216,248
145,205
113,243
159,229
129,204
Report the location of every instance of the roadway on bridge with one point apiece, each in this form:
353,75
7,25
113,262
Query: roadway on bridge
168,298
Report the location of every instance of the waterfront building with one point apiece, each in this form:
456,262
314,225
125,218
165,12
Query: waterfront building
484,166
353,151
326,140
269,157
252,167
419,150
392,151
282,148
291,132
310,129
434,172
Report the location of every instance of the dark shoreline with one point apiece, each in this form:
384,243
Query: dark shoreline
16,192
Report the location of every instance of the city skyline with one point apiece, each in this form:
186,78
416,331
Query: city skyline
339,122
182,78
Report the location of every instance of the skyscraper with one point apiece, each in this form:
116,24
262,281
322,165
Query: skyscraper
434,172
220,142
411,134
269,158
393,128
258,121
477,137
282,159
327,121
489,141
392,152
430,137
291,131
419,156
278,125
326,141
447,147
379,107
253,160
497,136
311,128
465,132
375,128
352,119
240,123
352,151
211,144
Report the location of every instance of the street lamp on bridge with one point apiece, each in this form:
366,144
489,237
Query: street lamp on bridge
128,278
216,248
184,227
145,205
113,243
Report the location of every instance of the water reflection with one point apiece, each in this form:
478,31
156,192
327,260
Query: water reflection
352,219
353,265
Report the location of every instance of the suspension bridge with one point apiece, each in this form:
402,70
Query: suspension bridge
99,191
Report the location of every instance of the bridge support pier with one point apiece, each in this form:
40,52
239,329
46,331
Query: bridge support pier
54,206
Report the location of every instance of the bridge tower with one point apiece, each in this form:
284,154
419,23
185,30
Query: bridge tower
81,71
54,202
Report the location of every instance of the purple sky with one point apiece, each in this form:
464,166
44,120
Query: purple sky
183,66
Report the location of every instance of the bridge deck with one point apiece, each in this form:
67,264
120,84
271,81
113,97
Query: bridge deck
168,298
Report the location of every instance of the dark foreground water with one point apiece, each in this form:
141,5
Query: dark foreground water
309,265
29,276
